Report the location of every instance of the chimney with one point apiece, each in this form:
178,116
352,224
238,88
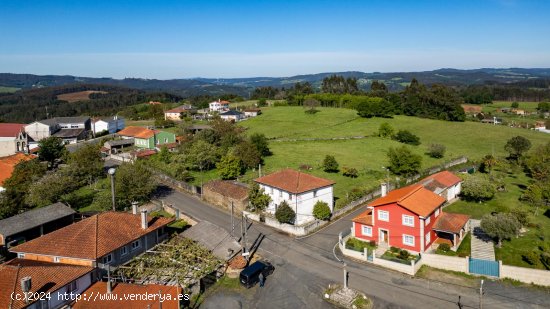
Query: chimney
383,189
109,287
26,285
144,223
135,208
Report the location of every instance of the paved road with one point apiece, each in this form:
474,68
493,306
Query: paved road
388,289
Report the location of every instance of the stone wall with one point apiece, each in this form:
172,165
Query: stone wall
527,275
452,263
224,201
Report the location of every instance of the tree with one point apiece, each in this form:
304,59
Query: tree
350,172
436,151
311,105
262,102
516,146
85,164
285,214
543,107
17,186
201,156
538,163
258,199
487,163
321,211
402,161
500,226
230,167
248,153
537,194
406,137
49,189
51,149
515,105
478,188
260,142
385,130
164,155
134,182
330,165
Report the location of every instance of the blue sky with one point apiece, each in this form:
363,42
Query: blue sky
180,39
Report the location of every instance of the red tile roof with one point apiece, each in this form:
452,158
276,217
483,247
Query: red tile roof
11,129
415,198
450,222
145,153
293,181
7,165
139,132
364,217
445,178
227,188
93,237
124,289
45,277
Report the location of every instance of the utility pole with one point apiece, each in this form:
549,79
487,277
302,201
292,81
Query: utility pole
232,224
481,295
245,228
345,277
260,170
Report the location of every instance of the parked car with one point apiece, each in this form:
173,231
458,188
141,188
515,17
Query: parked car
251,275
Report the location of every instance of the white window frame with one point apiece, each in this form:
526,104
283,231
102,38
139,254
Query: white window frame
280,193
427,221
405,237
385,217
123,251
271,190
365,230
73,286
20,255
437,212
108,259
428,238
56,259
134,246
405,220
290,197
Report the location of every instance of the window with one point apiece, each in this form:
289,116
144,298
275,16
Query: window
123,250
165,140
271,190
57,259
280,193
428,236
290,196
408,220
408,240
21,255
108,259
72,287
427,221
44,304
437,212
383,215
367,230
136,244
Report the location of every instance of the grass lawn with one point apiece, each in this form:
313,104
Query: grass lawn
527,106
140,123
465,248
359,245
8,89
538,231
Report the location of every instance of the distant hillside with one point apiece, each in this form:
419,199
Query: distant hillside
39,103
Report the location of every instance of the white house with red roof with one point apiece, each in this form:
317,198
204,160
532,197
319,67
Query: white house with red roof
410,218
219,106
300,190
445,184
13,139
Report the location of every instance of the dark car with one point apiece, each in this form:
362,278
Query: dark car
251,275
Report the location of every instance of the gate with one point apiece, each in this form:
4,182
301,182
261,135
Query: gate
484,267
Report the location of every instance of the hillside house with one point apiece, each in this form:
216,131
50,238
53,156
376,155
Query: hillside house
175,114
147,138
13,139
218,106
409,218
108,124
252,112
300,190
54,279
445,184
33,224
7,165
232,115
105,240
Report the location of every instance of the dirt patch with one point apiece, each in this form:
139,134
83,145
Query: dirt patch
434,274
78,96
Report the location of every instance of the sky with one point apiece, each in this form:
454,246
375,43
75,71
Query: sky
167,39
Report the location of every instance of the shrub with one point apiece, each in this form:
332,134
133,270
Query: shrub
406,137
385,130
532,258
394,249
545,259
478,188
403,254
321,211
262,102
444,247
285,214
350,172
403,161
520,215
355,194
436,151
330,165
283,103
372,243
515,104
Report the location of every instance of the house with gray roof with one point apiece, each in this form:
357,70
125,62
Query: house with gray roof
33,224
42,129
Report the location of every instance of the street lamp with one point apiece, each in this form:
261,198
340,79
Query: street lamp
111,172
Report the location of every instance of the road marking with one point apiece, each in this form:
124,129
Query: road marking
334,252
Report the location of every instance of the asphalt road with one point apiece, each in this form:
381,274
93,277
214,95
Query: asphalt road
310,262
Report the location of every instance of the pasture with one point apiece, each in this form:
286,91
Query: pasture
8,89
77,96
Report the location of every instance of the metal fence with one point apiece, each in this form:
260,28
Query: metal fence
484,267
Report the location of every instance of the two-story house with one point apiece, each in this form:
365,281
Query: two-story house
445,184
69,129
20,276
175,113
409,218
232,116
42,129
147,138
218,106
300,190
107,124
104,240
13,139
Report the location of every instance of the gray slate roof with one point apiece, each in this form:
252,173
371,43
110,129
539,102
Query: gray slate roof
33,218
68,133
80,119
119,142
214,238
231,113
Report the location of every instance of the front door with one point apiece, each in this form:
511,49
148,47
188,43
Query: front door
383,237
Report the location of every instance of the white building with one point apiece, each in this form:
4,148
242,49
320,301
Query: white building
13,139
232,115
39,130
42,129
175,113
300,190
252,112
110,124
219,106
444,184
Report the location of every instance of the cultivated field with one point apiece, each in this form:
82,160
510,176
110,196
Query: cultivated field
8,89
77,96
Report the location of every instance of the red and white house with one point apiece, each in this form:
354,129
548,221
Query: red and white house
410,218
445,184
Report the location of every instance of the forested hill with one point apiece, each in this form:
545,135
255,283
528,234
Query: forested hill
34,104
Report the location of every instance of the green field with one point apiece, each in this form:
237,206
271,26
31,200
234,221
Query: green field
8,89
368,154
527,106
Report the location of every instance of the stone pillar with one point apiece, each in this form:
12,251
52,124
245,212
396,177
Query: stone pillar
467,261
